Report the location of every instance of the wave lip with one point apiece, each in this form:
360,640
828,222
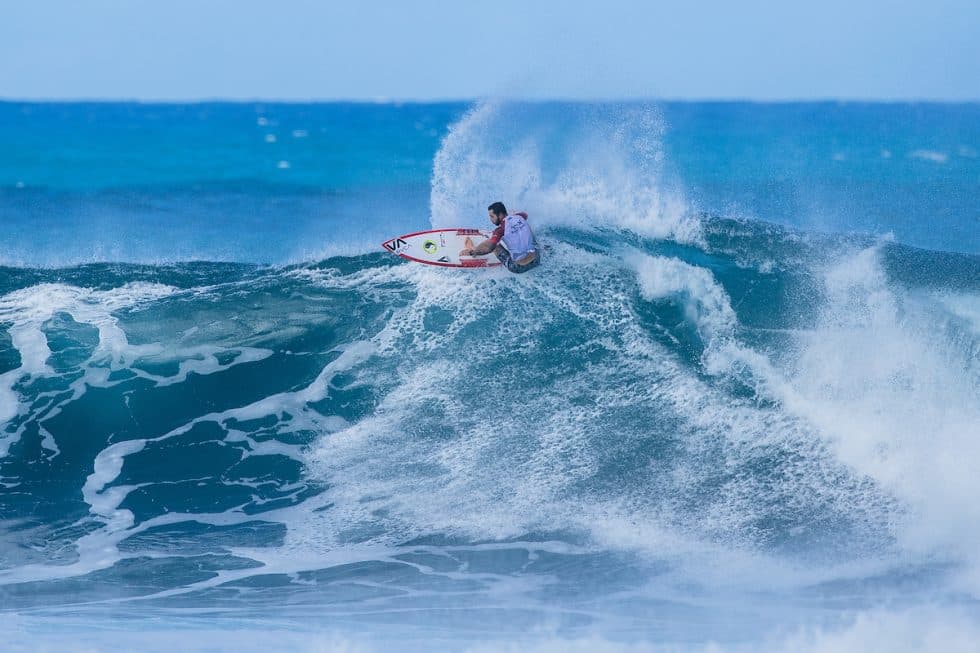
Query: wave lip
604,170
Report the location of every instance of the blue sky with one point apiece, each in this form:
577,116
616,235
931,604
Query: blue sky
427,50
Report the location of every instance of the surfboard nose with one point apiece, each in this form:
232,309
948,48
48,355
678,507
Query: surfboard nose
393,244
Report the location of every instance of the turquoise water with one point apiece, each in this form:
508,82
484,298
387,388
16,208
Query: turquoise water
736,405
161,183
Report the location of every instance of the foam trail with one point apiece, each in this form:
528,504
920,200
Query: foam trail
98,550
29,341
8,402
28,309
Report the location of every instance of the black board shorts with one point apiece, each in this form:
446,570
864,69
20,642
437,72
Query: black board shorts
504,257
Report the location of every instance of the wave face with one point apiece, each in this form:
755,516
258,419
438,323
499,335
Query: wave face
685,427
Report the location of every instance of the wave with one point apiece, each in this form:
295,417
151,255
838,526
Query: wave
676,418
674,412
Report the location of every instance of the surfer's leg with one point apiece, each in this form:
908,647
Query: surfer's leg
502,255
517,269
533,264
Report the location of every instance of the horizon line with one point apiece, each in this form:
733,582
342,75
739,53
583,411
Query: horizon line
380,100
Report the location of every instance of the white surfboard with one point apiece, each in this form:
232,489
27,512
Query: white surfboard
442,247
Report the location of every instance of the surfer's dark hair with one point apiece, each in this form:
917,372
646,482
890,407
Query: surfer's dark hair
498,208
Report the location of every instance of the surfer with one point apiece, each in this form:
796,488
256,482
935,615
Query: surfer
512,241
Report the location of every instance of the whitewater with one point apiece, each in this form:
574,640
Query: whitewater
736,409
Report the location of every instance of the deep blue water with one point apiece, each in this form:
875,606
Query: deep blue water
738,403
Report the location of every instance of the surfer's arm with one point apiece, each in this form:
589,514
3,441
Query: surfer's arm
483,248
487,245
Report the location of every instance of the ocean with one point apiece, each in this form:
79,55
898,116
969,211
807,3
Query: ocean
737,407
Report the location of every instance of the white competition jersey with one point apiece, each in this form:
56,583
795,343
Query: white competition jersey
518,238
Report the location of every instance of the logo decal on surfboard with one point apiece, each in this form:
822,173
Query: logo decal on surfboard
394,244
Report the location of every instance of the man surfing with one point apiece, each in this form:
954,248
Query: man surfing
512,241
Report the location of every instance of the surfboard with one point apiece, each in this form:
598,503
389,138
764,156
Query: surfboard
441,247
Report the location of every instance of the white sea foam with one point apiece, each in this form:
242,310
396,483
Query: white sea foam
896,399
99,549
882,379
707,304
390,482
26,311
929,155
964,306
610,173
201,360
502,480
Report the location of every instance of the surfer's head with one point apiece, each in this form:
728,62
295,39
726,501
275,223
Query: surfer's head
497,212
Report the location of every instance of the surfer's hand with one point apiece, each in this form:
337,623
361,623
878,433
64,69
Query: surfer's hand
466,252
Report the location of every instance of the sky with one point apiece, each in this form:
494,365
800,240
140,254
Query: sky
432,50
